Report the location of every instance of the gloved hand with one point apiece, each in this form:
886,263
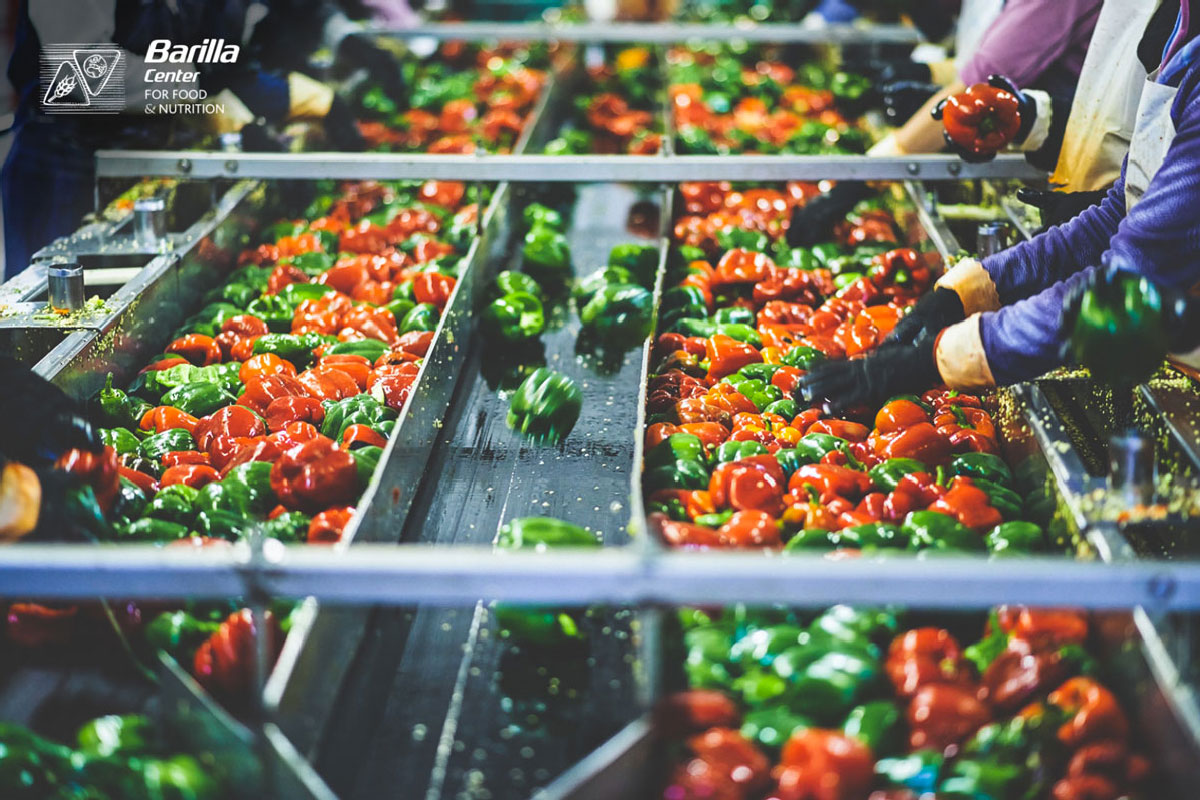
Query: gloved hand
986,118
38,422
360,52
1059,207
932,314
813,222
257,138
891,70
891,370
341,127
1121,325
902,99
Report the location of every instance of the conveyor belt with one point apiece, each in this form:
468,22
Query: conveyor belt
462,706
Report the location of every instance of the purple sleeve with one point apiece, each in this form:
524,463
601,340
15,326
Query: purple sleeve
1160,237
1029,267
1031,35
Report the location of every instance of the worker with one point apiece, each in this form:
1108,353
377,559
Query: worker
38,424
47,180
999,322
1040,46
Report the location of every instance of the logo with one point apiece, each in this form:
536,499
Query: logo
82,78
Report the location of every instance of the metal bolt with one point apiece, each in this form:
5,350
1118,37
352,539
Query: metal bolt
185,165
913,168
955,168
231,166
1162,588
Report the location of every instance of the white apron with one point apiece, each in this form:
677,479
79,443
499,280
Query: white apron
974,20
1106,101
1153,132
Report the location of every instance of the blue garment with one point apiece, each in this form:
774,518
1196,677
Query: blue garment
1160,237
836,11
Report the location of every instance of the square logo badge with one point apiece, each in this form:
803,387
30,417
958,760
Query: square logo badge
82,78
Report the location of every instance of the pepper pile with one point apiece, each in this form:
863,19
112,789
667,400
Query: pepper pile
733,461
113,757
849,705
617,109
471,98
273,403
755,103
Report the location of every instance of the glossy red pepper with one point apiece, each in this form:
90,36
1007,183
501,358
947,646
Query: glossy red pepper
818,764
366,322
252,448
1095,714
731,755
314,475
284,410
941,715
920,441
264,364
695,710
981,120
99,470
166,418
751,529
362,434
193,475
966,428
742,266
179,457
284,275
35,625
751,483
146,483
328,526
414,343
163,363
232,421
224,664
727,355
326,383
684,534
843,429
923,656
434,288
357,367
830,480
968,504
899,415
197,349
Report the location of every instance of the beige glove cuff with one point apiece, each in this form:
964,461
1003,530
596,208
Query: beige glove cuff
309,99
1041,125
943,72
960,357
20,501
973,285
887,146
233,118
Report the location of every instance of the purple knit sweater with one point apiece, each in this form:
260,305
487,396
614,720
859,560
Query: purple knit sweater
1160,237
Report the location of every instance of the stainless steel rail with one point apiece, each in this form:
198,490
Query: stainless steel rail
439,575
520,168
655,32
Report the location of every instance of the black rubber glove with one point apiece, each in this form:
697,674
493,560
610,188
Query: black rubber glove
257,138
814,221
882,71
341,127
1025,107
1059,207
902,99
932,314
38,422
360,52
891,370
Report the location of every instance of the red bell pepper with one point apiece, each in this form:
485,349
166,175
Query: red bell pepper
264,364
284,410
165,418
751,529
727,355
751,483
328,526
818,764
924,656
224,664
941,715
968,504
920,441
197,349
1095,713
193,475
830,480
35,625
262,389
99,470
231,421
180,457
314,475
981,120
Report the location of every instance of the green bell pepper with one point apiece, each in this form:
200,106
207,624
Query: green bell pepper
693,326
803,357
877,534
734,238
919,771
515,317
362,409
815,446
682,301
1015,538
366,459
296,293
969,779
791,460
682,474
255,476
877,724
1119,331
296,348
539,533
180,776
273,310
154,384
288,527
785,407
422,317
824,692
208,320
546,405
117,409
761,393
932,529
1003,499
120,439
619,311
640,259
175,503
149,529
509,281
760,646
258,277
370,349
236,294
537,215
742,333
982,465
546,252
736,451
219,523
735,315
760,371
154,447
399,309
849,624
772,726
587,287
886,475
114,734
796,258
130,503
675,447
198,399
813,539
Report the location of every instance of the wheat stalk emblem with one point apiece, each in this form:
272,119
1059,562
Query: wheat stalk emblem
65,87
